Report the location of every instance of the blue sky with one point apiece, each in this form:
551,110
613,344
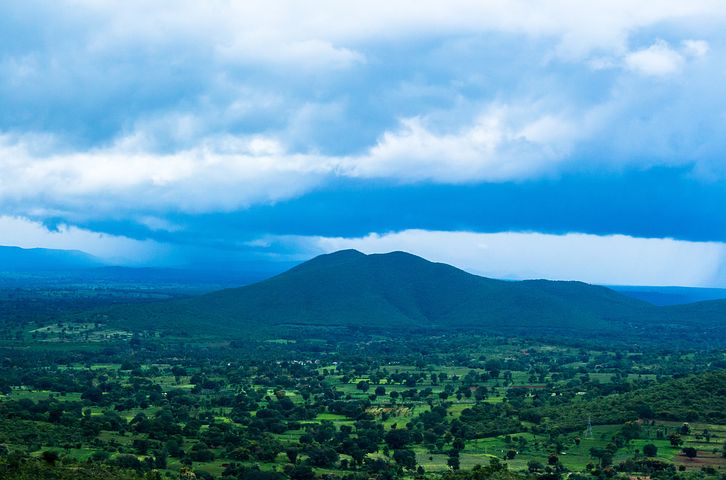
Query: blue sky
557,139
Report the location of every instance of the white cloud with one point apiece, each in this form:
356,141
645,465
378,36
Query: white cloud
219,173
306,55
696,48
658,59
286,30
503,143
611,260
225,172
26,233
320,35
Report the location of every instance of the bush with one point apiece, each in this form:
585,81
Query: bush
128,461
650,450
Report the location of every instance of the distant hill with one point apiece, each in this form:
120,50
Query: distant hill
394,290
240,275
69,269
671,295
16,259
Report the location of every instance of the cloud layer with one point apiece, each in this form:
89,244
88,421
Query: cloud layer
209,106
141,121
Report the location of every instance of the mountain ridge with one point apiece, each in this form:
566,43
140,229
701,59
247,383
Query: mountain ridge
401,290
20,259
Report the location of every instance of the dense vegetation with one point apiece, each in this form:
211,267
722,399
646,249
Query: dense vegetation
349,404
87,396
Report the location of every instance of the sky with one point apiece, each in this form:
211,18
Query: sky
515,139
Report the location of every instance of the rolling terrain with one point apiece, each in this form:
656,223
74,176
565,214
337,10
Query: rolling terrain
400,290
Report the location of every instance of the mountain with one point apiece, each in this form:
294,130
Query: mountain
394,290
671,295
16,259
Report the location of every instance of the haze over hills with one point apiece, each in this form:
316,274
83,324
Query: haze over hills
671,295
32,267
400,290
41,259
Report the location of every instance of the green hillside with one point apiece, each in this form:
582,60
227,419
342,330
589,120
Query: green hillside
699,397
710,313
388,290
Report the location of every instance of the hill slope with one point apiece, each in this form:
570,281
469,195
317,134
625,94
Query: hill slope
16,259
700,397
389,290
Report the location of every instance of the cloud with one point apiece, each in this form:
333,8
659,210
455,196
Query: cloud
133,111
695,48
660,59
609,260
157,224
225,172
139,176
503,143
26,233
309,55
274,24
219,174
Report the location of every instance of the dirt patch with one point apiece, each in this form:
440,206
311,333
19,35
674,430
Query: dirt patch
703,459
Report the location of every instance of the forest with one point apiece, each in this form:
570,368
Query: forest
89,400
353,366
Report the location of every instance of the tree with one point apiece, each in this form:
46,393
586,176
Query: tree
690,452
631,430
292,454
128,461
398,438
173,446
453,461
605,456
92,395
675,439
650,450
201,453
405,458
50,457
160,460
320,456
300,472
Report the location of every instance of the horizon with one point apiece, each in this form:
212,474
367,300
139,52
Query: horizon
247,273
